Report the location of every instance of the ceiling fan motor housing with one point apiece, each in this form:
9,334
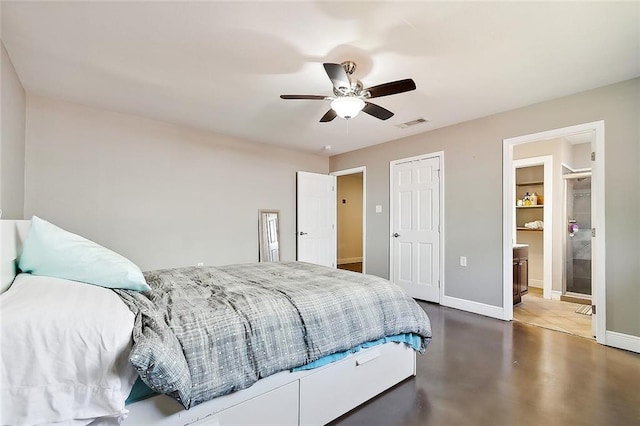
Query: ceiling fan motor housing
356,88
349,66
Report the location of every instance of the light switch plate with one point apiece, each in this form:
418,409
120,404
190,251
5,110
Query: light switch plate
463,260
378,208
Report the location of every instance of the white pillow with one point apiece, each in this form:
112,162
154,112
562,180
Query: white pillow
65,352
53,252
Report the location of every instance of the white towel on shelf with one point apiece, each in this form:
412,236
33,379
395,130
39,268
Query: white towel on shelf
536,224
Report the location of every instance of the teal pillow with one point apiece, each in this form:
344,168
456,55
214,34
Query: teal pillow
53,252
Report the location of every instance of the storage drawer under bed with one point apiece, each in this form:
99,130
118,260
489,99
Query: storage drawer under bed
278,407
326,395
313,397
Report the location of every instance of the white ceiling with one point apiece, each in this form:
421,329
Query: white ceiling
221,66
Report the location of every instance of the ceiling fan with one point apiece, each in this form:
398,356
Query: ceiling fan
351,96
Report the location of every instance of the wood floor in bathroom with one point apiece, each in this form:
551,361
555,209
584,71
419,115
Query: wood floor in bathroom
552,314
355,267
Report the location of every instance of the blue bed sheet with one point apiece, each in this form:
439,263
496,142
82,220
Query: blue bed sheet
413,340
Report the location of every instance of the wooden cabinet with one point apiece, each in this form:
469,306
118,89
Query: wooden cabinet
517,297
520,272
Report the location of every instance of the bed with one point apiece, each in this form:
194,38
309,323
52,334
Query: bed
363,365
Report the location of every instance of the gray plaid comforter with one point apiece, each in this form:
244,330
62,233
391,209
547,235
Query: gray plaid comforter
202,332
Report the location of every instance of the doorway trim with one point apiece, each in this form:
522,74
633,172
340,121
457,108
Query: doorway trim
597,211
352,171
547,216
441,277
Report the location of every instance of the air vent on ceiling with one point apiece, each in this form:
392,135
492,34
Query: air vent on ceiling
412,123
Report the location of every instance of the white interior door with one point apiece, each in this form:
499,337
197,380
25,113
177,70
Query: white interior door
316,218
415,226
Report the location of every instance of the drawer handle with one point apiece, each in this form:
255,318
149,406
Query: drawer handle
367,358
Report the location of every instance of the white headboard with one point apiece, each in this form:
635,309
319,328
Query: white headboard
12,234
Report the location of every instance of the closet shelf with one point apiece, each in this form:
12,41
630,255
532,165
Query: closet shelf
537,206
531,183
522,228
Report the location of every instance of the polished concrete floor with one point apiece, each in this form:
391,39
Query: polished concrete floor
552,314
483,371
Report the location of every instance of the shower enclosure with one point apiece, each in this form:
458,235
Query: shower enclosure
577,247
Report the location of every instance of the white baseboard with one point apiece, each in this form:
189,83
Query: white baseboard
622,341
349,260
536,283
474,307
555,295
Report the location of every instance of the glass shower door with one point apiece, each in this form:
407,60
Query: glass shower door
578,238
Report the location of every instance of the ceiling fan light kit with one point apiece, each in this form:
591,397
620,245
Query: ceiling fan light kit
351,96
347,107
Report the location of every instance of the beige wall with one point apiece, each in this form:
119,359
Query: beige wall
12,121
580,156
473,166
160,194
349,217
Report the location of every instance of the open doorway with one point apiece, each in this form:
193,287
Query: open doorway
540,233
351,223
560,143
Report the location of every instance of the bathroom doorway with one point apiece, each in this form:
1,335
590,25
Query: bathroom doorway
595,131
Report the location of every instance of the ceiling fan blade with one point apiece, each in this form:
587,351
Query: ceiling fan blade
330,115
377,111
338,76
313,97
392,88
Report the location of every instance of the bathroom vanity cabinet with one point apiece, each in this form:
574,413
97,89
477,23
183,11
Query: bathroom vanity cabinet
520,272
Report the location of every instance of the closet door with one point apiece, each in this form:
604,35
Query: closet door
415,226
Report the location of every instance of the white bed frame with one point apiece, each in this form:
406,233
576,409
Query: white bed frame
313,397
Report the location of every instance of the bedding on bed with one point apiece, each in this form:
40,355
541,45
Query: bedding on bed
65,348
202,332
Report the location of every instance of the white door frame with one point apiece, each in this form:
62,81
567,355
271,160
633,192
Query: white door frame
440,155
352,171
547,235
597,219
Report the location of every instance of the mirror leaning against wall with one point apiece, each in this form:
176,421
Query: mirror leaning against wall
269,236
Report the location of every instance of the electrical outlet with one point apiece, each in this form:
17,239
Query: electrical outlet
463,260
378,208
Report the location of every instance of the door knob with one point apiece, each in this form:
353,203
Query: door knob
303,233
396,235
